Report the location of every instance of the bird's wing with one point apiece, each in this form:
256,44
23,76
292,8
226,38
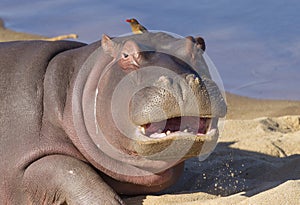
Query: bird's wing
143,29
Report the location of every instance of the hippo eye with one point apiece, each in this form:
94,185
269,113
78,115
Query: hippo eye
125,55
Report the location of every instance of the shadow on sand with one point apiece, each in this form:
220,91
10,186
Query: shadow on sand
229,170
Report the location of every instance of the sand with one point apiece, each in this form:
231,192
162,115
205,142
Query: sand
256,161
7,34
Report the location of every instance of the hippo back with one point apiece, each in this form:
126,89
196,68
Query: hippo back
22,69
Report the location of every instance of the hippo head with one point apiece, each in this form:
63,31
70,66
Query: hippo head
148,104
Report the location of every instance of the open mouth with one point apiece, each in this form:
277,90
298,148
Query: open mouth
177,125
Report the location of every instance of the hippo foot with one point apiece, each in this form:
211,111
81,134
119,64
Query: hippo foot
59,179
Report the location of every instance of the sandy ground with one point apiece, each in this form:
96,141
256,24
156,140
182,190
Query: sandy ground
257,159
7,34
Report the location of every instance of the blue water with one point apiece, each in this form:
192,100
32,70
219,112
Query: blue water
255,44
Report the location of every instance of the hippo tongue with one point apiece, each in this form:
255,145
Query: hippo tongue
194,125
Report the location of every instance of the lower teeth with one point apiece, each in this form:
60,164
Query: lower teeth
158,135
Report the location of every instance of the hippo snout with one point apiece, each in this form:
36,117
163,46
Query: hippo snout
182,112
184,95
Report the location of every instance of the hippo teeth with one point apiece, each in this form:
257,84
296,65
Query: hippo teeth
143,130
191,125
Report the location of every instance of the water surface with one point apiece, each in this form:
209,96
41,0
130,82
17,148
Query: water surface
255,44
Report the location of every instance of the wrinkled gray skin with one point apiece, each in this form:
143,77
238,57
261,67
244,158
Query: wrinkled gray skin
47,156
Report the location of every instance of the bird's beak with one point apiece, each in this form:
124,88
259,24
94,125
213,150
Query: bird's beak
128,20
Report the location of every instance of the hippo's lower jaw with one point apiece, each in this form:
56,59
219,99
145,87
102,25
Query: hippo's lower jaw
177,138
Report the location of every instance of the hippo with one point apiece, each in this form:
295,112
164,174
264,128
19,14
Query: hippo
88,123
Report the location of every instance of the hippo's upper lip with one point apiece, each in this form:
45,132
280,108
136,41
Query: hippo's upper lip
179,125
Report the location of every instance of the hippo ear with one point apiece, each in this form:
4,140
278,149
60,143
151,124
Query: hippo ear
188,47
197,42
130,56
108,45
200,43
184,47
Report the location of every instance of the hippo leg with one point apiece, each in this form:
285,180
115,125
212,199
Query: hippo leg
59,179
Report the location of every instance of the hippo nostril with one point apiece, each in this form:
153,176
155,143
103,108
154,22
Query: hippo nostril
164,80
190,77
